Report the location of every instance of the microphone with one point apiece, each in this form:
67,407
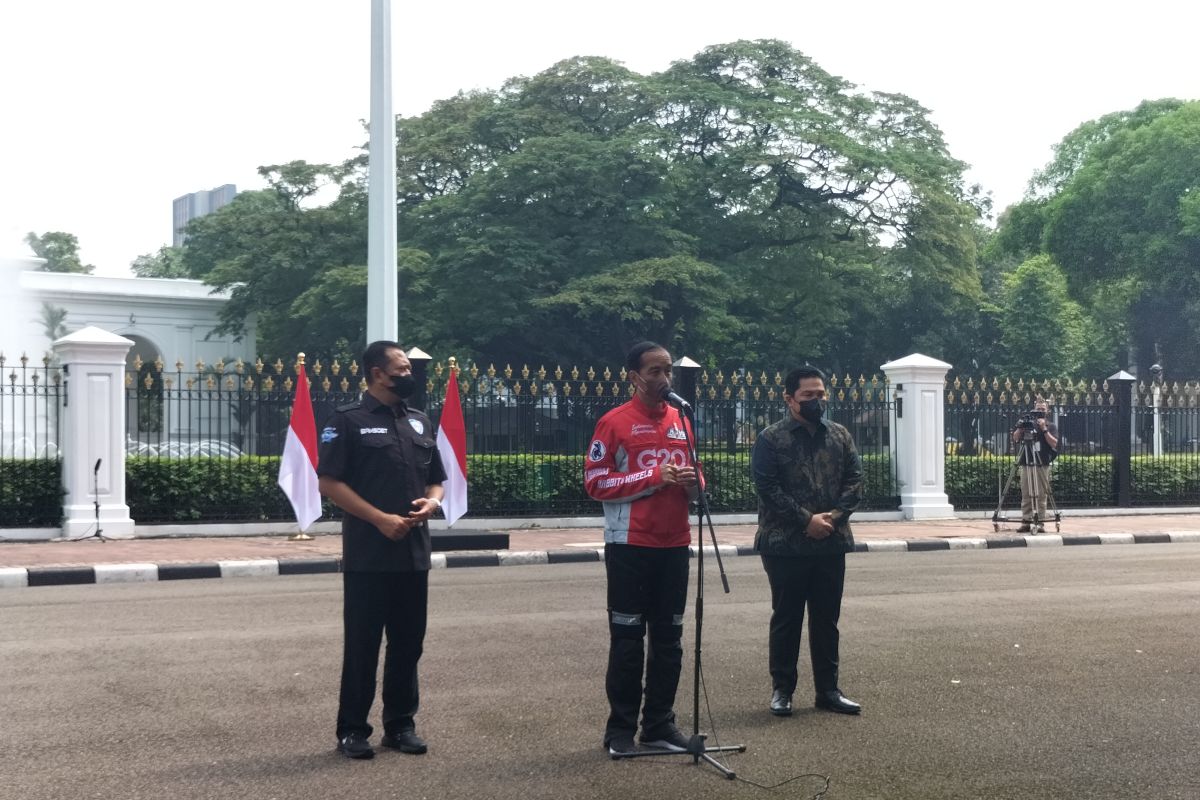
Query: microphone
97,467
674,399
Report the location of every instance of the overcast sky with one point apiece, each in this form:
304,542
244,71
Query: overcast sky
108,111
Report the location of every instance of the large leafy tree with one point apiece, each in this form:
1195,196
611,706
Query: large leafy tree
1116,210
166,263
787,184
270,247
743,205
61,251
1122,226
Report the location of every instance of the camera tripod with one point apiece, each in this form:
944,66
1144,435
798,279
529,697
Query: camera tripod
1028,468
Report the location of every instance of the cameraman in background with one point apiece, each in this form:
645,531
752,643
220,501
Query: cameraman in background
1037,439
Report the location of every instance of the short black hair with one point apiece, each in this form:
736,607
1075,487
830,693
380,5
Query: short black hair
792,382
633,359
376,355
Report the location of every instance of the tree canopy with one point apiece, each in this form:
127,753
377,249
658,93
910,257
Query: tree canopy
61,251
742,206
1117,211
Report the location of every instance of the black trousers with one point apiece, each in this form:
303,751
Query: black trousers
396,602
647,591
796,582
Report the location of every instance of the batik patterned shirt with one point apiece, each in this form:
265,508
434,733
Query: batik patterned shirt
798,474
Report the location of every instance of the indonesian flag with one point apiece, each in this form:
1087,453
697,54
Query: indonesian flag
452,444
298,467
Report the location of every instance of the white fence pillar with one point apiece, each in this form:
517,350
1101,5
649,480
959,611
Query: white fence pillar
916,383
93,432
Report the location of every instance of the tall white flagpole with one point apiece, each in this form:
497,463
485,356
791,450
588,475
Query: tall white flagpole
383,307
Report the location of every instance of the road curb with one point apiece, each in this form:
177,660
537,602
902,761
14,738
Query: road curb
27,577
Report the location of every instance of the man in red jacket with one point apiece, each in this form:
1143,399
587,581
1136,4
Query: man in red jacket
638,466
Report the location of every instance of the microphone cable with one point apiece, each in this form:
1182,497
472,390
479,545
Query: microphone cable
712,725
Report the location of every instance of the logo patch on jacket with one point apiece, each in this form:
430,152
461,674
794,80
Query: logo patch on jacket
417,426
676,432
328,434
641,429
596,451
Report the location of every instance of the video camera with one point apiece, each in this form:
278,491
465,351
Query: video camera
1029,419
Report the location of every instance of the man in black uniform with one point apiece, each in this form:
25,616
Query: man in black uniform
379,462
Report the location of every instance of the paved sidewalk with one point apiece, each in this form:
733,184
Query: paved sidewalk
94,561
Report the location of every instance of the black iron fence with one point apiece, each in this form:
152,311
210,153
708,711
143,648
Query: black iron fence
1121,443
30,467
203,444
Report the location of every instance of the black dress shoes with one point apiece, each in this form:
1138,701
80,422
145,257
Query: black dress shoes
781,704
834,700
353,745
405,742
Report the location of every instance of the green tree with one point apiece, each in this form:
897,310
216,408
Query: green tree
1123,228
1042,330
53,320
749,159
269,247
166,263
743,203
61,251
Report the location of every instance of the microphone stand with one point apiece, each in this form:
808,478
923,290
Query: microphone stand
99,533
696,747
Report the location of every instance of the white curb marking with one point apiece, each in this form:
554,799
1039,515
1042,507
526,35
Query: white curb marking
523,557
126,573
14,577
968,543
263,568
887,546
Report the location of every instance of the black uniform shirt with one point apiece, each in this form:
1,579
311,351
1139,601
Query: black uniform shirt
388,456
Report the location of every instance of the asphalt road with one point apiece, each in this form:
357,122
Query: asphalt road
1032,673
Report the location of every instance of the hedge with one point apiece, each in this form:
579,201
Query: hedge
500,485
213,489
1077,481
31,493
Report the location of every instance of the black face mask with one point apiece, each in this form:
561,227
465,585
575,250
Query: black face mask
403,385
812,410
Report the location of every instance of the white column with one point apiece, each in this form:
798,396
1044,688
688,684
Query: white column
916,383
382,284
93,432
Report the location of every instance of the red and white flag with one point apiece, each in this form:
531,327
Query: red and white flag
298,467
452,444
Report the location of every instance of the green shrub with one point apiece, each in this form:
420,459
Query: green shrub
1077,481
31,493
244,489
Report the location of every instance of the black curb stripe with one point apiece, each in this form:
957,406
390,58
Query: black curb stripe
921,545
860,547
61,576
185,572
1152,538
746,550
308,566
571,556
1081,540
473,560
1007,541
